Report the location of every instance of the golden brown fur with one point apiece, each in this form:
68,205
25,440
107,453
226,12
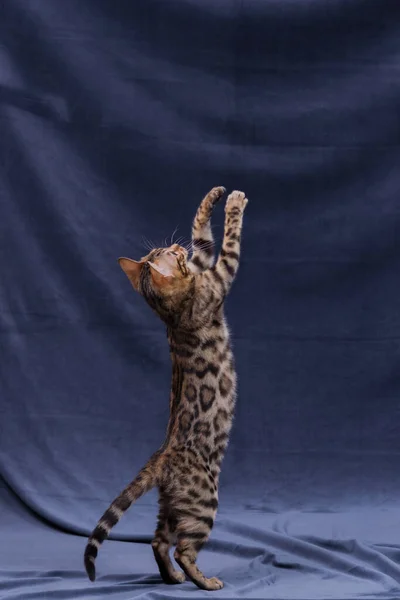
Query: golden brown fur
188,295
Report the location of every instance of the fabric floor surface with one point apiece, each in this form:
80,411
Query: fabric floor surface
289,556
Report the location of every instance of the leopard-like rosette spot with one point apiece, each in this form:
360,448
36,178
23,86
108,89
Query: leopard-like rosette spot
236,202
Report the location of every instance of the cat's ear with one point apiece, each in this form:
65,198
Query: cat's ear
161,276
132,269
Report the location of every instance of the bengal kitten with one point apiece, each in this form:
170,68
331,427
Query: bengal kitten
188,295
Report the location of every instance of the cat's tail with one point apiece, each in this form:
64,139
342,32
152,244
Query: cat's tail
144,482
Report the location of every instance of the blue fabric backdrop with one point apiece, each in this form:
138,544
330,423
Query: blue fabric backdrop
115,118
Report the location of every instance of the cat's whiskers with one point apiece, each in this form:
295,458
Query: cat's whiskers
172,236
147,243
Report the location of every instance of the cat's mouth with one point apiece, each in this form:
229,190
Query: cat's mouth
177,255
170,260
178,259
178,251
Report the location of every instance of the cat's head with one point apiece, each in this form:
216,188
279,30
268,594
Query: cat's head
162,278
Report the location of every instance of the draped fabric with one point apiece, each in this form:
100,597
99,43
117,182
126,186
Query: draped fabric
116,117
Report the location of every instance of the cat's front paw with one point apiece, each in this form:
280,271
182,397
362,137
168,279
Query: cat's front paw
236,202
215,194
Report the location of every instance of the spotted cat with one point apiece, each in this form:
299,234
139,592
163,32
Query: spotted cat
188,295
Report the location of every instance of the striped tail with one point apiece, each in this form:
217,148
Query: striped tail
144,482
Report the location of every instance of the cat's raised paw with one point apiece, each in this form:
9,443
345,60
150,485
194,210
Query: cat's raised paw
213,584
236,200
216,194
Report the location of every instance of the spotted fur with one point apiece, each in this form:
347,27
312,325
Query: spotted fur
188,295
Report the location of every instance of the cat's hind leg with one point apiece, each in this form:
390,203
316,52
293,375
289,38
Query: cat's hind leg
192,534
161,544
